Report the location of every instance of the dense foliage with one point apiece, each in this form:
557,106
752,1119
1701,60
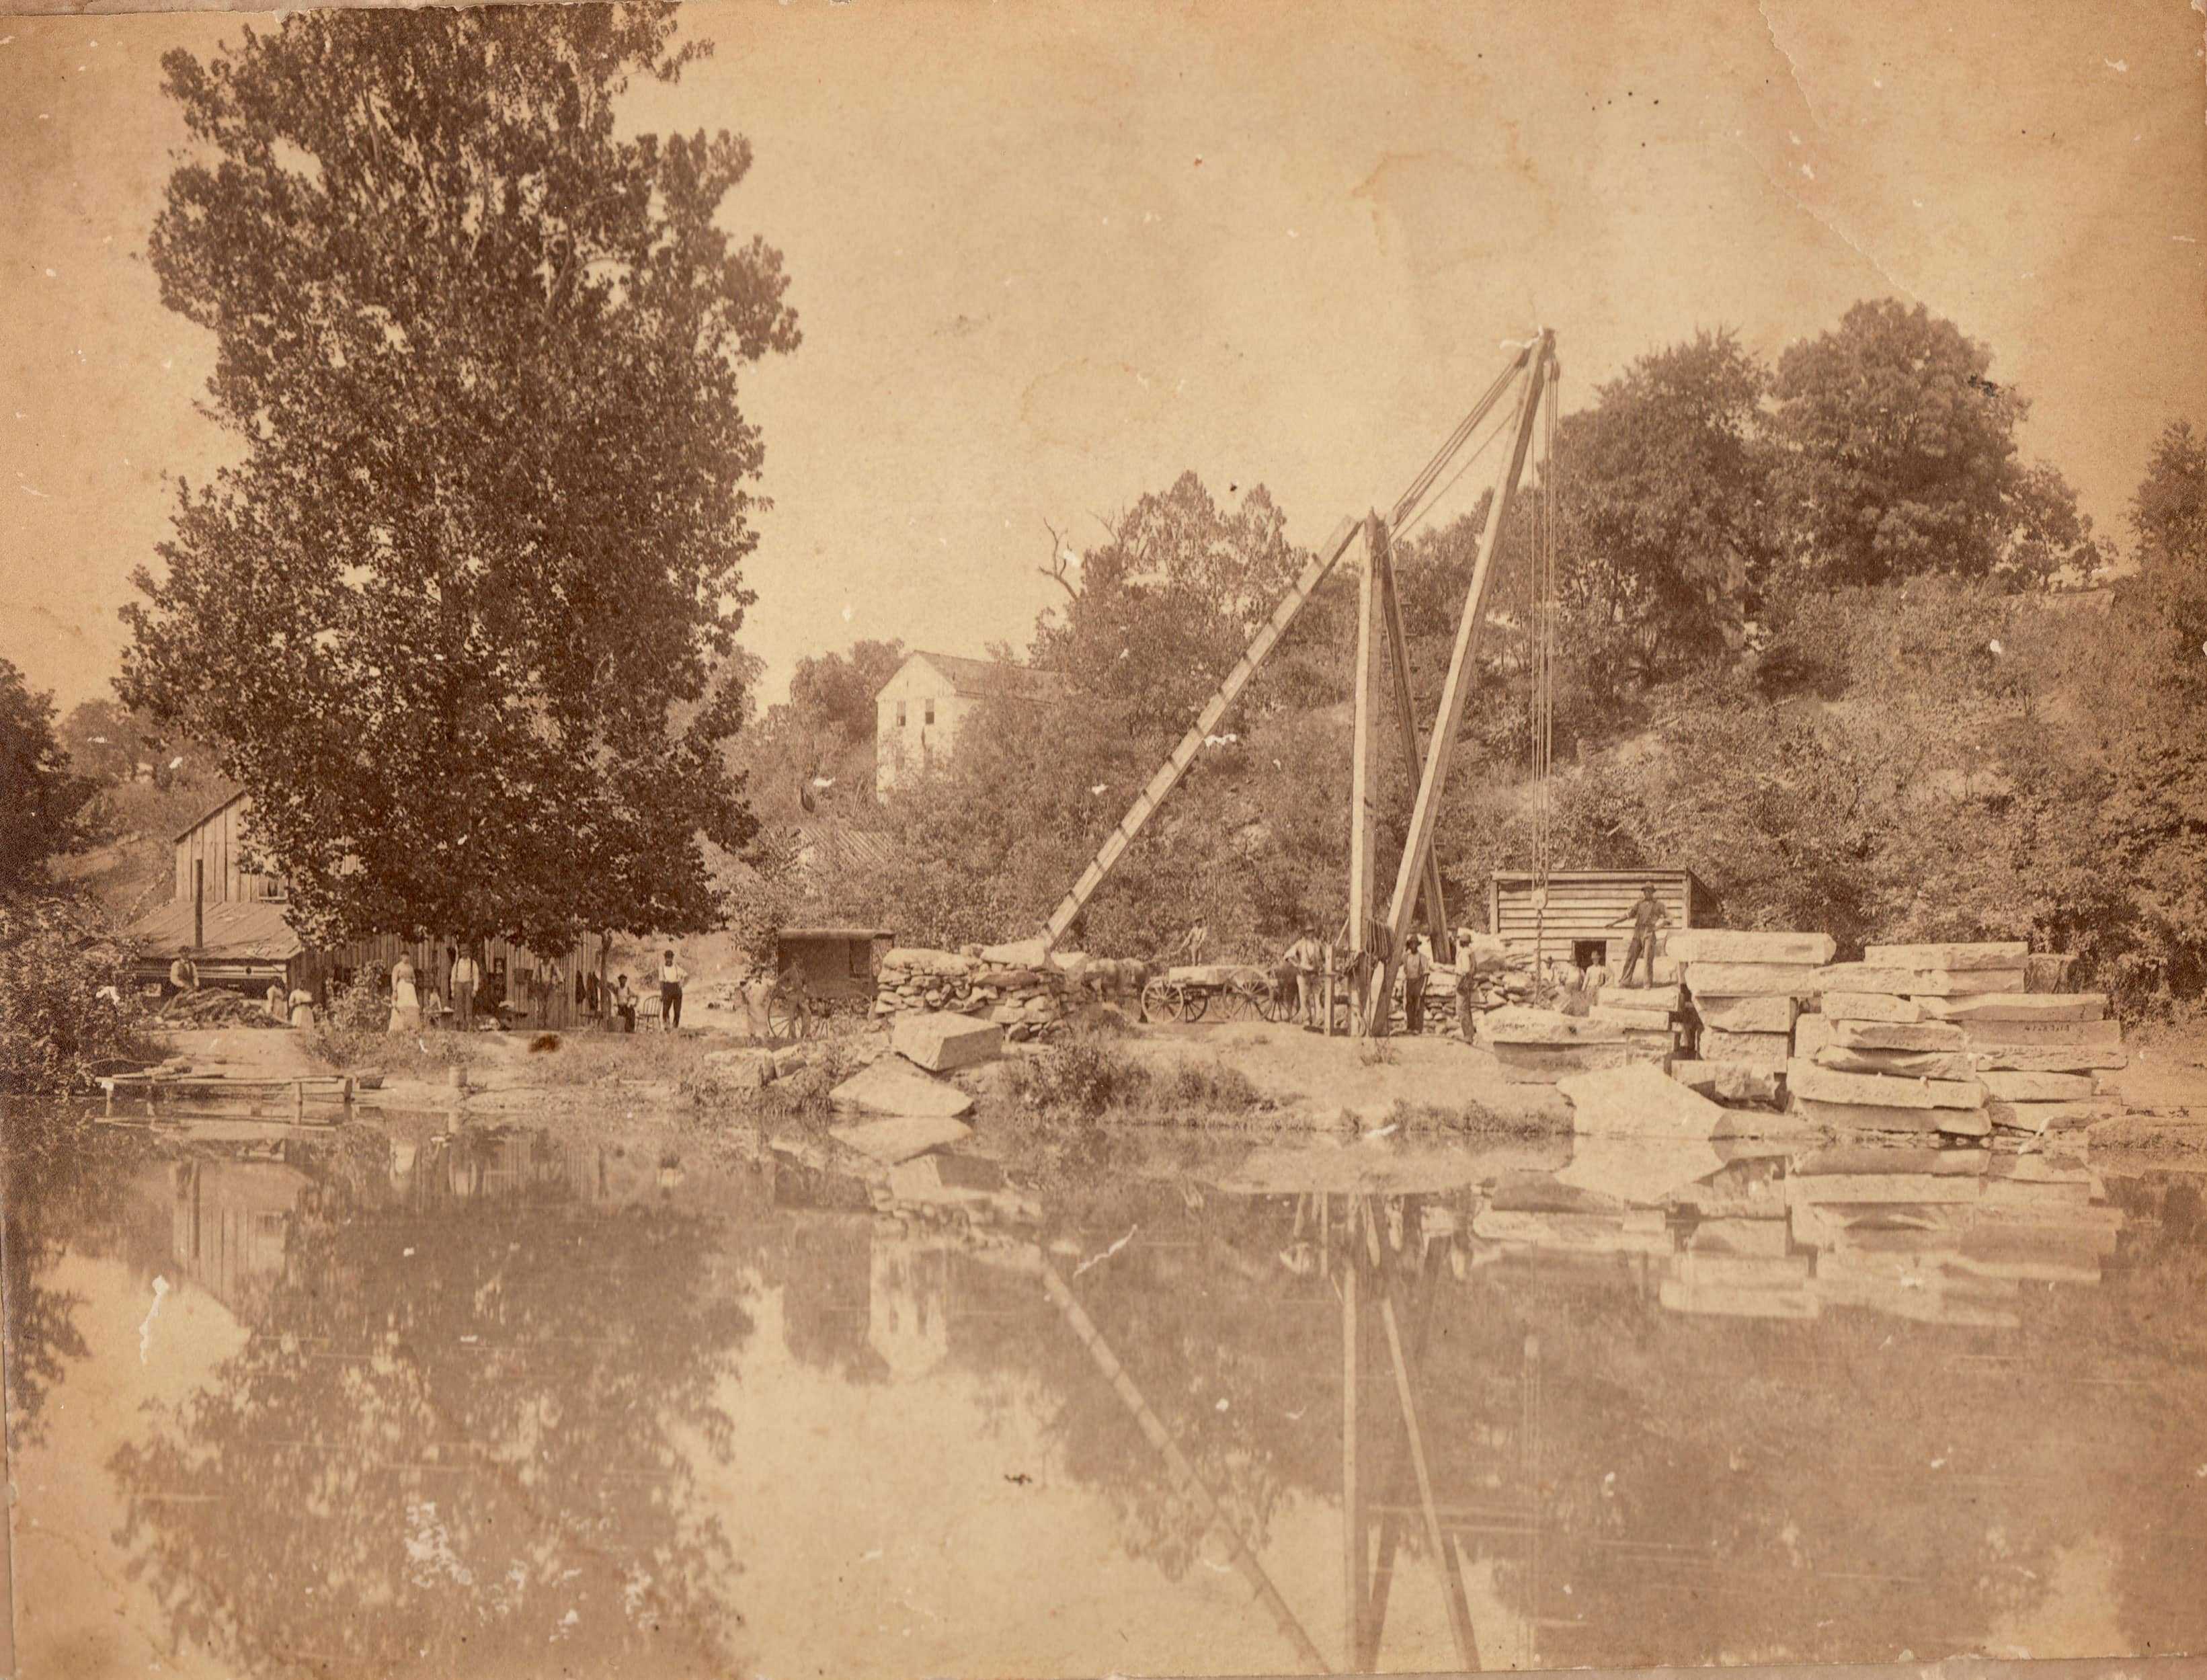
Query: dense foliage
1906,736
40,796
66,1001
461,617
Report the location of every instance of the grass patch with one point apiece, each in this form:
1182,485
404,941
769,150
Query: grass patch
1086,1079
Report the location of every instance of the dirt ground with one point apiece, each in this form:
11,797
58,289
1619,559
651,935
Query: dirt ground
1317,1080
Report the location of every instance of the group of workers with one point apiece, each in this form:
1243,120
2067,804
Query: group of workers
1310,962
416,999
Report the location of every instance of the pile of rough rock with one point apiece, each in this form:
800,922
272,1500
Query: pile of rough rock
1949,1038
214,1007
1748,989
1025,998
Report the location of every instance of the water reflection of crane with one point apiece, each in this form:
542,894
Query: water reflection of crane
1387,1257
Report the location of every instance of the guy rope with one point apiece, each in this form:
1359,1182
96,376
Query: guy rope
1417,881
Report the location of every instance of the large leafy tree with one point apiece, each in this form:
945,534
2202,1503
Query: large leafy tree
1664,482
39,813
1897,457
460,617
1167,604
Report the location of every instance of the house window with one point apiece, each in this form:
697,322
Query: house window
899,714
930,716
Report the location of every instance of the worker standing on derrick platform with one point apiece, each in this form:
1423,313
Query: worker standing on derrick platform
1646,917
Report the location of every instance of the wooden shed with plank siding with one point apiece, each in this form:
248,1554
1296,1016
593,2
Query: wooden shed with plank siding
1580,921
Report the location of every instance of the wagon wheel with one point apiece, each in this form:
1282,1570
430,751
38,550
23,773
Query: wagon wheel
787,1017
1165,1001
1244,1001
1194,1001
1275,1006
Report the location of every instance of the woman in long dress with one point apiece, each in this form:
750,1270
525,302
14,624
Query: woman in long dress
405,1003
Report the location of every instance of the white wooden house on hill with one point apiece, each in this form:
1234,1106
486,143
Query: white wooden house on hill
919,710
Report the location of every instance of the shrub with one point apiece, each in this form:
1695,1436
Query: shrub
65,999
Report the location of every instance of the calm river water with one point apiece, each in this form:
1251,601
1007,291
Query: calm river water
494,1401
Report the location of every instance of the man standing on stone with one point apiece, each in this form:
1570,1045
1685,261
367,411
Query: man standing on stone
671,975
1646,917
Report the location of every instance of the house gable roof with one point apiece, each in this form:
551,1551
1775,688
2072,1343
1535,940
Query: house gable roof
978,678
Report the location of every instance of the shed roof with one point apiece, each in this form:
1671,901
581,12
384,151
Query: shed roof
210,814
251,930
837,933
1594,877
977,678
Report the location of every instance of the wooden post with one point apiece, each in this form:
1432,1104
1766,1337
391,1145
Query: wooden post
1363,866
1432,897
1433,783
1353,1536
199,905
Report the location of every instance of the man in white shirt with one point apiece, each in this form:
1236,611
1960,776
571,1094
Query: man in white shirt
671,975
466,976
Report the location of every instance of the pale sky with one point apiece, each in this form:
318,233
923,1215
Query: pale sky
1047,256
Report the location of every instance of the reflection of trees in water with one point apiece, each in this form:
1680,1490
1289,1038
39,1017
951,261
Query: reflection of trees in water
61,1181
458,1432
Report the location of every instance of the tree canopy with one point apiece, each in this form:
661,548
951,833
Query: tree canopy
39,797
460,617
1897,457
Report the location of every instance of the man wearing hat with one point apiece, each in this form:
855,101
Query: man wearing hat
1467,987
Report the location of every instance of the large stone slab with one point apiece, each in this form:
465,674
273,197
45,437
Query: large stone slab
2015,1004
1828,1085
1858,976
1951,958
1879,1117
1871,1006
1544,1064
1897,1035
1812,1033
1729,1081
1992,1035
900,1137
1748,1014
893,1086
1720,945
964,1184
2040,1118
1641,1101
1752,1050
944,1042
1514,1025
1668,999
1811,1081
2016,1086
1752,980
1630,1020
1898,1064
2051,1058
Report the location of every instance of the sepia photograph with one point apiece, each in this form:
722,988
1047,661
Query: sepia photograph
1010,838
